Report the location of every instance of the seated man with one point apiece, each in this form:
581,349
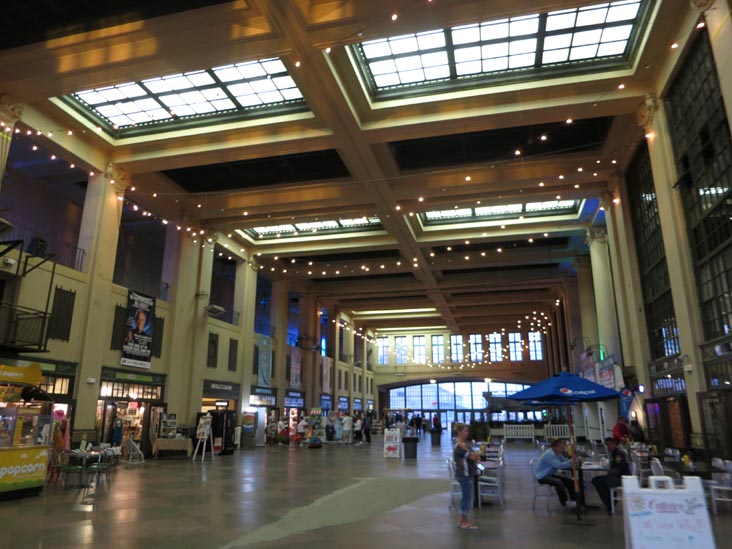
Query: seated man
618,467
551,461
621,431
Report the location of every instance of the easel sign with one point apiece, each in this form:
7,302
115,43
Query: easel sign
205,436
664,516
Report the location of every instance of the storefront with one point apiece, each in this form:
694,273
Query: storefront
220,395
343,404
294,407
357,405
130,405
326,403
370,405
263,401
667,411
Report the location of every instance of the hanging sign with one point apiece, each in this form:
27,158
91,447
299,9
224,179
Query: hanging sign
265,361
30,374
626,399
137,345
327,366
295,367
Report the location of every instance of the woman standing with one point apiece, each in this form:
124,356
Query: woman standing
465,468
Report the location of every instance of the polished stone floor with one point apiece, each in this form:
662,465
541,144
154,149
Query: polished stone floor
276,497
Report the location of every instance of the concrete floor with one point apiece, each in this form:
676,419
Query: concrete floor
332,497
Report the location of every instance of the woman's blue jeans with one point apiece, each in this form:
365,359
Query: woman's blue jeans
466,485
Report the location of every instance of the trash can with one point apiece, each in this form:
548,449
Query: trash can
410,447
436,435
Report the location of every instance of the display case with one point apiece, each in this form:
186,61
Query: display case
168,426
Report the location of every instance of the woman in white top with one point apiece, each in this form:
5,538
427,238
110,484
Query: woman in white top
357,430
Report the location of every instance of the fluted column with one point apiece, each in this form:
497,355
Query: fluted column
308,322
9,114
607,316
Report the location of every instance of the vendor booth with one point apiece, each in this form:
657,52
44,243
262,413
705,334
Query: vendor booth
26,426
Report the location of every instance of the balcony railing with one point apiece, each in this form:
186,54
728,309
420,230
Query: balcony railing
147,285
22,328
43,244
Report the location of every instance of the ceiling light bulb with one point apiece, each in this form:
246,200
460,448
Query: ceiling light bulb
616,201
297,64
546,234
499,250
543,138
35,147
621,86
327,50
517,152
531,240
394,16
421,199
467,178
580,169
613,161
576,185
398,207
449,248
561,176
674,46
700,25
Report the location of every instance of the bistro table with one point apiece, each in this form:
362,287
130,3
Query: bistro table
488,465
593,467
700,469
177,444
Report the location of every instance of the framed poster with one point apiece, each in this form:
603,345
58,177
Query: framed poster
204,428
137,345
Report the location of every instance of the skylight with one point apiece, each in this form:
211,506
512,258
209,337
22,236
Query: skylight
525,44
230,89
312,228
502,211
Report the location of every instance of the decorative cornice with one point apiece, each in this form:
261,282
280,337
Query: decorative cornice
646,111
117,177
10,112
596,234
702,5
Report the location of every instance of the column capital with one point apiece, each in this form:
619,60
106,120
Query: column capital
596,234
702,5
581,261
10,112
118,178
646,111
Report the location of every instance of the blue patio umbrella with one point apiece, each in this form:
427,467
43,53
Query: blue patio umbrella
566,389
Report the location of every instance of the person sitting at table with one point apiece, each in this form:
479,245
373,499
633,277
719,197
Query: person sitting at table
551,461
619,467
621,431
465,472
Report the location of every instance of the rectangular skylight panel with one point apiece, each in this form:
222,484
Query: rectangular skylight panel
356,222
558,20
409,77
467,34
291,94
586,37
273,66
227,74
495,30
272,229
111,94
108,111
131,90
139,117
612,48
517,47
203,108
182,110
583,52
449,214
376,48
271,97
193,97
159,114
223,104
91,97
413,62
403,44
467,54
317,225
248,100
623,11
200,78
120,121
382,67
435,73
263,85
471,67
494,50
431,40
434,59
283,82
496,64
127,107
523,60
213,93
502,209
251,70
555,56
611,34
587,17
147,104
385,80
549,205
157,85
178,82
521,26
172,100
240,89
557,41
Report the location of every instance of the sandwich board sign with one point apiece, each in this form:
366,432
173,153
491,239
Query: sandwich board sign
392,443
666,516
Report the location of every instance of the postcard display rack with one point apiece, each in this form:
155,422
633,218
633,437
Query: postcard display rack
168,426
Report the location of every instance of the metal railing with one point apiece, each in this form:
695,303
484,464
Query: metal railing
42,244
148,285
22,328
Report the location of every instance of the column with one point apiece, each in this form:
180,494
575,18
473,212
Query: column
719,24
607,316
678,257
308,322
9,114
574,323
586,297
245,298
98,236
279,344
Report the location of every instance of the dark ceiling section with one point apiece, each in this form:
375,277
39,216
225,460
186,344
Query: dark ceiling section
539,242
500,145
260,172
396,279
512,268
29,21
335,258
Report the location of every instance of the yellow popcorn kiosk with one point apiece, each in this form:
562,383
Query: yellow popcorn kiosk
26,426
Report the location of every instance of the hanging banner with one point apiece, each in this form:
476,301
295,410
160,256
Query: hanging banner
626,399
29,373
606,372
137,345
295,367
265,361
327,366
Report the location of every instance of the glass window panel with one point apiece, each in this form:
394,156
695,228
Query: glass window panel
405,44
465,35
283,82
476,347
525,60
446,393
586,37
396,397
560,20
92,98
262,86
223,104
400,349
273,66
434,59
132,90
495,50
431,40
471,67
413,397
479,387
557,41
429,396
438,349
495,341
591,17
456,348
409,63
251,70
382,351
385,80
611,34
622,11
377,48
494,31
411,76
524,25
467,54
433,73
463,395
514,347
225,74
419,350
555,56
583,52
535,346
382,67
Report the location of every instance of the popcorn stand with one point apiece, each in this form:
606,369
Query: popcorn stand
25,430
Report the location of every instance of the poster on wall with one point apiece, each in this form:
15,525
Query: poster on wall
295,368
606,372
137,345
327,366
265,361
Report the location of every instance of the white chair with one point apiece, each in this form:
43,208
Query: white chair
616,493
643,472
722,491
455,489
490,484
540,490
